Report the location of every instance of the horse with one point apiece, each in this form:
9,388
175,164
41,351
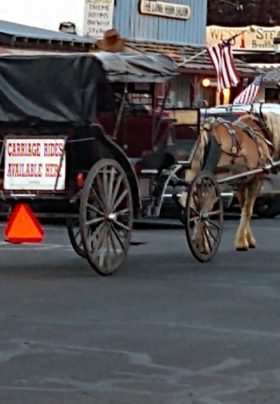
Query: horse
250,142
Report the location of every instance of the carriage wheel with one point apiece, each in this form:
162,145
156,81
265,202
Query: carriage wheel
204,217
106,216
74,234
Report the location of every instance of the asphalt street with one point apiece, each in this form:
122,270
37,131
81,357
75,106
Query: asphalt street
163,329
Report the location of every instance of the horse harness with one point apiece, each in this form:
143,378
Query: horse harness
252,133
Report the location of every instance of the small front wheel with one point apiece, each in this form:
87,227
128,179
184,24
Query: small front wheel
106,216
204,217
74,233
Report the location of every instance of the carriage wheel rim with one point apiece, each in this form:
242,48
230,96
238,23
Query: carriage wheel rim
204,217
107,217
74,234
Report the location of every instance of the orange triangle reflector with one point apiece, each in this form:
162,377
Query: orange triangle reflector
23,226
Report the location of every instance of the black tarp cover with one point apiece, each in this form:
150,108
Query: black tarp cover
53,89
66,88
138,68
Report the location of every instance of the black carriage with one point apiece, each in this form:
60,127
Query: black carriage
86,138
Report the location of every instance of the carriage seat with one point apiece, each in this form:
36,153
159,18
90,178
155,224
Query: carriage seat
156,161
138,135
184,139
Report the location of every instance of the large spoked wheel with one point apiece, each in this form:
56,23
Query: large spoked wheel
204,217
74,233
106,216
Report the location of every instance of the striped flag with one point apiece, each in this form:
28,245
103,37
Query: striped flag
248,95
222,60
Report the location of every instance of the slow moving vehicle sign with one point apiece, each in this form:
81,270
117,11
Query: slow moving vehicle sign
34,164
23,226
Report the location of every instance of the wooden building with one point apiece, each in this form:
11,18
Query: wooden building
257,46
177,28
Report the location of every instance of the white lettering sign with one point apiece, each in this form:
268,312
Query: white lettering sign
250,38
163,9
98,17
34,164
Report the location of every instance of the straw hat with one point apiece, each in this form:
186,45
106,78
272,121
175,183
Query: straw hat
111,42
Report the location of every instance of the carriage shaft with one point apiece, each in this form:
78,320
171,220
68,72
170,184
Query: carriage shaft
265,168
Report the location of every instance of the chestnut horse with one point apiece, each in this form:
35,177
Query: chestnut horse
248,143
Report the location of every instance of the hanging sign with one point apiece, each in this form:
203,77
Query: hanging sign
34,164
98,17
163,9
252,38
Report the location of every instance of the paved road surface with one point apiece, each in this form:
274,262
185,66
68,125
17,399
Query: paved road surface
164,329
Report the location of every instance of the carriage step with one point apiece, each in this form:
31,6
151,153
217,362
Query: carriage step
149,171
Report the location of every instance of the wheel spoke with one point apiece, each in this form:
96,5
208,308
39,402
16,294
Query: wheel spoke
195,232
122,212
101,255
117,236
194,210
102,191
103,250
111,183
207,238
199,239
108,248
99,242
194,219
94,208
214,224
101,204
120,199
93,221
121,225
112,239
210,232
93,236
214,212
116,190
105,186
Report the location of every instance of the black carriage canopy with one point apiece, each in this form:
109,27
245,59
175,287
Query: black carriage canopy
66,88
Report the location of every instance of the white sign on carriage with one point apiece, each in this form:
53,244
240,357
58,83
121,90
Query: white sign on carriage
98,17
34,164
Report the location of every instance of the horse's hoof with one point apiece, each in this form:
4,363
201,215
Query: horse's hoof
242,248
252,245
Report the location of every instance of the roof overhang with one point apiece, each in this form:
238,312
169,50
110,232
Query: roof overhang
189,59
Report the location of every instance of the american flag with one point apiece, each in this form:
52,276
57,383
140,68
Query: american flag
248,95
222,60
